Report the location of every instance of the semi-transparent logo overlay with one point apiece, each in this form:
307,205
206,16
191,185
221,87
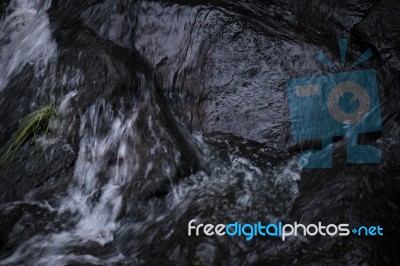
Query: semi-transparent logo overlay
338,104
281,230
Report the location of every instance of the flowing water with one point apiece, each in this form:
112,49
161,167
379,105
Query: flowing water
169,112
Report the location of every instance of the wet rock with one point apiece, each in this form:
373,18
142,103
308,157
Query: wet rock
138,80
220,74
19,223
380,28
18,87
3,7
34,169
329,19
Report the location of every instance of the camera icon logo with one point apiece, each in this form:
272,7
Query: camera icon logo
339,104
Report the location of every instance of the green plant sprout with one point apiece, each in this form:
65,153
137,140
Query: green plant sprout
29,127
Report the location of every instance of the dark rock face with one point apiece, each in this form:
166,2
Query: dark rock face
170,111
253,69
3,7
380,29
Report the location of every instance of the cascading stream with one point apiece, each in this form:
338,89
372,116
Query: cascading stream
168,113
25,38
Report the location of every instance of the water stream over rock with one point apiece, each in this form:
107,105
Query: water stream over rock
170,111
